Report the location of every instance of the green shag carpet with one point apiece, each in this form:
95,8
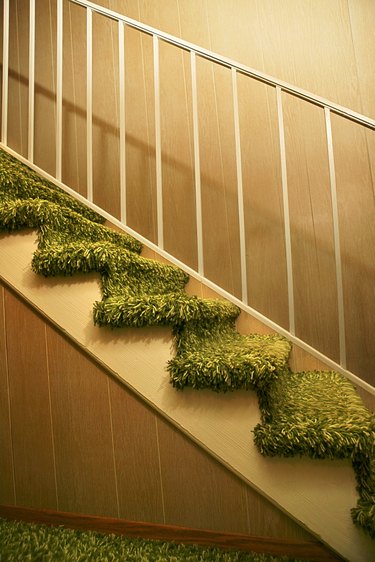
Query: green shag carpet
315,414
29,542
319,414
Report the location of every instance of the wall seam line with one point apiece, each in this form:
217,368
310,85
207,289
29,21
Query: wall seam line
9,401
51,417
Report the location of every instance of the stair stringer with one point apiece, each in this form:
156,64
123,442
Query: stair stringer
317,494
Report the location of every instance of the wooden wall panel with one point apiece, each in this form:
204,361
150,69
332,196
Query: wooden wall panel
106,169
136,454
30,406
355,193
313,258
218,177
362,17
309,44
178,155
74,98
266,520
85,469
18,75
264,216
140,135
198,491
7,489
45,85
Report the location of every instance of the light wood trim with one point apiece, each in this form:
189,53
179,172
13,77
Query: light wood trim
184,535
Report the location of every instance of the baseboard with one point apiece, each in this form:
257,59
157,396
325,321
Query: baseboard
310,550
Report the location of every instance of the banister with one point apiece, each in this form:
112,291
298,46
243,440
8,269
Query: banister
229,63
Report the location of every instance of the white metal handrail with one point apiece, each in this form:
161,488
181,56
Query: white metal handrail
236,68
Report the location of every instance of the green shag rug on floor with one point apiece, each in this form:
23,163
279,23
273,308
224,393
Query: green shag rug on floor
319,415
28,542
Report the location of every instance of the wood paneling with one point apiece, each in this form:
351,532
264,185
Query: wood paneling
136,455
30,406
362,17
7,491
74,98
18,68
218,177
355,194
313,258
105,104
264,222
140,135
45,85
177,155
197,490
264,519
85,469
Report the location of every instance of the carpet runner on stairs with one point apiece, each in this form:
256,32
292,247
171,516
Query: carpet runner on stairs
317,414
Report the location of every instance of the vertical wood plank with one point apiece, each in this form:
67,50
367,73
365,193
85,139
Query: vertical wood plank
266,520
265,240
309,44
18,76
218,177
82,431
356,203
7,489
106,144
74,98
177,155
311,227
136,454
45,86
198,491
362,17
30,407
140,134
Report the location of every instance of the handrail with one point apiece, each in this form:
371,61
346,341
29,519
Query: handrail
229,63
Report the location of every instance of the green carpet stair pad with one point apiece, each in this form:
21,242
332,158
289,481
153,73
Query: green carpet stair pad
320,415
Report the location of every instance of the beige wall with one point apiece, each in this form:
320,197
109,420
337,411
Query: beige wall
324,46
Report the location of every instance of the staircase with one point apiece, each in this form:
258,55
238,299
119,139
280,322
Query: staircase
313,414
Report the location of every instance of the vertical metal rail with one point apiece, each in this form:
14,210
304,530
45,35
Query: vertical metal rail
59,86
89,104
197,165
241,212
284,182
4,109
159,182
121,60
336,238
31,111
